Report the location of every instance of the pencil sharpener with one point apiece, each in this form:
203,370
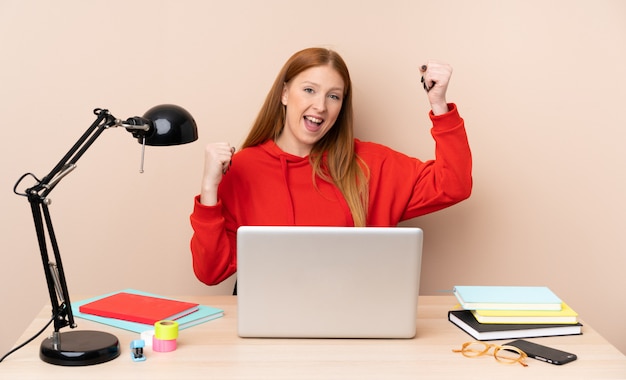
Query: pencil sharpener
136,350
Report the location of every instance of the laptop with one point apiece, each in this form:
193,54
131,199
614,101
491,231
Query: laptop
328,282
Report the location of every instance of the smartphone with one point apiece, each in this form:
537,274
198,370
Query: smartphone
543,353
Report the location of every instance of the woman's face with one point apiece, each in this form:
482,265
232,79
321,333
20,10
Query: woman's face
313,100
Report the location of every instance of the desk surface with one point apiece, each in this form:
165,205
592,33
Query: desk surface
214,351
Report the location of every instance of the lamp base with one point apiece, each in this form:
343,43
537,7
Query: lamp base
80,348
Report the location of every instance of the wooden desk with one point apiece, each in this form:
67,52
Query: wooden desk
214,351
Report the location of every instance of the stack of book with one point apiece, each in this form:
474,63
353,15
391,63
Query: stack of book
138,311
512,312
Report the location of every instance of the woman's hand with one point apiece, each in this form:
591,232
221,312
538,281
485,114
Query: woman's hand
217,160
436,77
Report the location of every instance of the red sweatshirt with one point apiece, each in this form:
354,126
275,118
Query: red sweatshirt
266,186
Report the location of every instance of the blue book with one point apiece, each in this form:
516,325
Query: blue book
204,314
507,298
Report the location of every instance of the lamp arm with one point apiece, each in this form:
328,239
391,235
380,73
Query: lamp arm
53,270
137,126
103,121
38,198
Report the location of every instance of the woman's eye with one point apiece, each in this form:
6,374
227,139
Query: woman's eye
309,90
334,97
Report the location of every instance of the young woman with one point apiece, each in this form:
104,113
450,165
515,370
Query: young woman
301,165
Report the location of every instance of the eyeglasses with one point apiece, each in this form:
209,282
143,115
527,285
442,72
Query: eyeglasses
503,354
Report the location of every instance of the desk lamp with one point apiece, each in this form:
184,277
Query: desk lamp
161,125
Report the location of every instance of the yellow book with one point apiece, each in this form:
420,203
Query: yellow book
564,316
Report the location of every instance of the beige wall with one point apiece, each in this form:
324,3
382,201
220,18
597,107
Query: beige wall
541,85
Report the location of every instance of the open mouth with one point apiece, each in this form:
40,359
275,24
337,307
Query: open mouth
314,120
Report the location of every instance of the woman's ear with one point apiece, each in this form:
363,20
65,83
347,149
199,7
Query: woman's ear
284,96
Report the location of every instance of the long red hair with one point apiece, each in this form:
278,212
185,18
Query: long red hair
333,157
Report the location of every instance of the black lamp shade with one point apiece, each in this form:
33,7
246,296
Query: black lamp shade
170,125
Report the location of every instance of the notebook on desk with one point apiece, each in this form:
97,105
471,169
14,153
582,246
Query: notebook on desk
328,282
